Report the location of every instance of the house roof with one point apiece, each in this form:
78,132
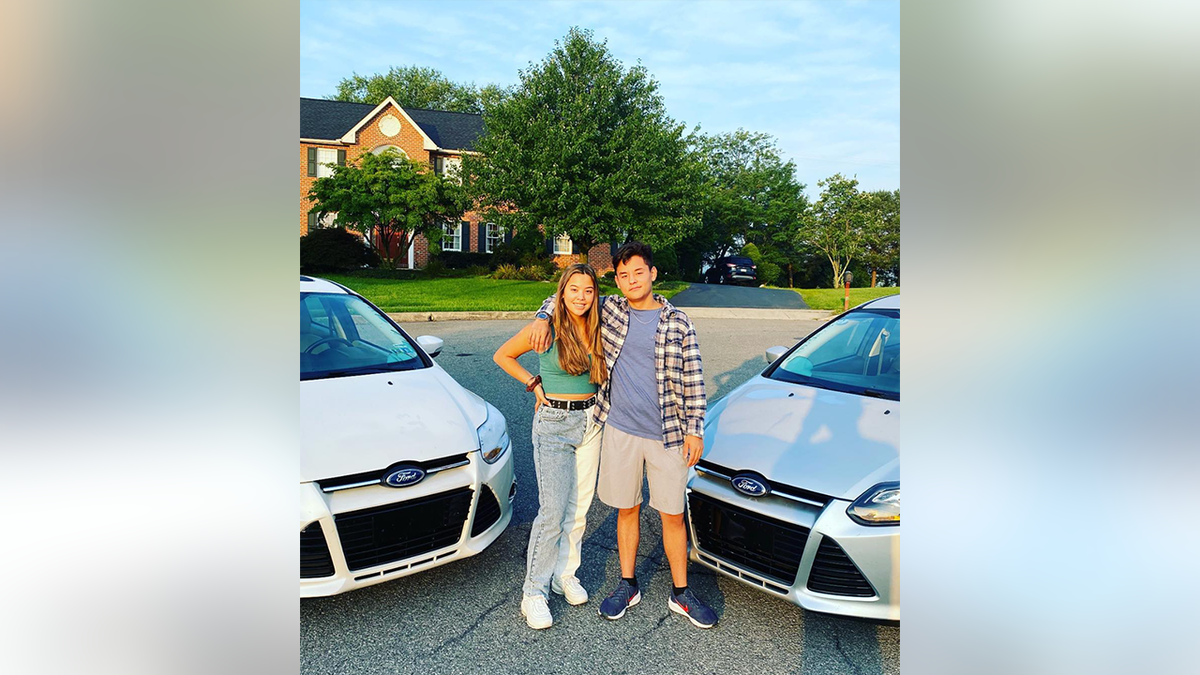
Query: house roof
322,118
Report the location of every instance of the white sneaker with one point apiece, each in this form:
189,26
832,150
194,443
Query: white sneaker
536,611
570,588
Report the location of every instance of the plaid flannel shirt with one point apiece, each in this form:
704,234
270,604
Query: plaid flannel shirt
677,365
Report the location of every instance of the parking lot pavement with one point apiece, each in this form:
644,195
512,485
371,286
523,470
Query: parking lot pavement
465,617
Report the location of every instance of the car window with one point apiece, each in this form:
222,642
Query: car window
741,261
858,352
343,335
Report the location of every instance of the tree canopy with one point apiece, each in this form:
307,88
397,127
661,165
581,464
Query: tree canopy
583,146
418,87
752,196
389,198
881,245
835,224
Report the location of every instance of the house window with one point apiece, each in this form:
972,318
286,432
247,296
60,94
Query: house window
493,237
562,245
450,167
383,148
315,223
452,236
326,156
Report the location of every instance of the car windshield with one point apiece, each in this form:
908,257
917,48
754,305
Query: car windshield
342,335
741,261
858,353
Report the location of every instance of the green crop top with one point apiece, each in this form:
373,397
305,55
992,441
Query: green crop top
555,380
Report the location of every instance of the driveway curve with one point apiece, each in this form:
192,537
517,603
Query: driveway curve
712,295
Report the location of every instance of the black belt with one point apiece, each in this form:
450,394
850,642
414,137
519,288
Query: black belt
572,405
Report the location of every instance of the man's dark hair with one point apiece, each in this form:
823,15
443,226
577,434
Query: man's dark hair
630,249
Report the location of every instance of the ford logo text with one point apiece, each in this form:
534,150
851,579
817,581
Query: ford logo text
404,476
748,485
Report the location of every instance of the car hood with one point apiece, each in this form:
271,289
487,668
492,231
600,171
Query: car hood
826,441
365,422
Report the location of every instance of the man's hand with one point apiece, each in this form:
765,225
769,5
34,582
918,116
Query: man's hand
693,446
539,335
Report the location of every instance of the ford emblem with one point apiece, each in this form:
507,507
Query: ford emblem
749,485
404,476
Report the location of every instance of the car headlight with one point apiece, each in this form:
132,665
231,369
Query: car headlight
878,506
493,435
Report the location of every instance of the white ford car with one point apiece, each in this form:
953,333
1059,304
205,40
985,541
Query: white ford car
798,491
402,469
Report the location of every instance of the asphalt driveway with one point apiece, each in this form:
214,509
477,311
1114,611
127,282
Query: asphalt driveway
712,295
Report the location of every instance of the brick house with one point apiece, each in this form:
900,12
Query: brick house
334,132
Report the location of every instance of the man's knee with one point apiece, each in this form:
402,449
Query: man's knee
672,518
629,513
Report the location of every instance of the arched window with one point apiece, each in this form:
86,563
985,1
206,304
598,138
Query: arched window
382,148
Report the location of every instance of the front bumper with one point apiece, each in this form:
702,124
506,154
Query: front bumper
843,567
324,510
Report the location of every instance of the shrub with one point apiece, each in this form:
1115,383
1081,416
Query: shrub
457,260
435,268
767,271
532,273
335,250
506,272
477,271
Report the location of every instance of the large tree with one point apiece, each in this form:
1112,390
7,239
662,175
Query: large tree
752,197
390,199
417,87
881,243
835,224
585,147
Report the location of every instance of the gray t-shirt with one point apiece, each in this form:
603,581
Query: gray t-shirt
634,401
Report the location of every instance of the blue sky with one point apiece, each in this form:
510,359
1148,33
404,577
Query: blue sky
822,77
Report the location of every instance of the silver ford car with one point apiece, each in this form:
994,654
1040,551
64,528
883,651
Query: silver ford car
798,490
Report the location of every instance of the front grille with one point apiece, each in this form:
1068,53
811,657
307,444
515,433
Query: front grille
377,475
314,553
487,513
833,572
757,543
393,532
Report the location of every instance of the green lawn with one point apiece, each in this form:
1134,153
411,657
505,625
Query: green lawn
464,294
831,298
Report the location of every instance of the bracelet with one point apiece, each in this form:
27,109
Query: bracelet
533,383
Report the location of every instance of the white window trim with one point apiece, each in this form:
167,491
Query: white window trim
456,235
491,241
559,240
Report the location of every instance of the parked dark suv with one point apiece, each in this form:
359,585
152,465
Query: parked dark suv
733,269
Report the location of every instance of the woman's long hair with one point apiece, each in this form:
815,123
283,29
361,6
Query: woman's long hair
573,352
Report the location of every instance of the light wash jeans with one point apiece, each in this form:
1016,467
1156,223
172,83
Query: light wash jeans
566,454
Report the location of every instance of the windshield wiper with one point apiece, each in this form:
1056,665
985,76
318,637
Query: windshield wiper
876,393
362,370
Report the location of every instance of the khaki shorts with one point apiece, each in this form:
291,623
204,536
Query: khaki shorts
623,457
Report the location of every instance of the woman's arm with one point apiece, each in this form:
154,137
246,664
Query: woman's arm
506,358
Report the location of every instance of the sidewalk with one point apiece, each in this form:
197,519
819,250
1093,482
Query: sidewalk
694,312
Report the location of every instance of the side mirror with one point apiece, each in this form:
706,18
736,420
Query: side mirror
432,345
774,353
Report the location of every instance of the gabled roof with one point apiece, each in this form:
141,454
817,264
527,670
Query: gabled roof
330,120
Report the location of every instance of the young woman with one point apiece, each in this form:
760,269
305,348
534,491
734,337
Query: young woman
566,440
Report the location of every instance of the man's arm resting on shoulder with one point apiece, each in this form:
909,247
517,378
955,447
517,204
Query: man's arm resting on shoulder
539,330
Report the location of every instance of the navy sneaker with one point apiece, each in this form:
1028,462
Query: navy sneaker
686,603
624,597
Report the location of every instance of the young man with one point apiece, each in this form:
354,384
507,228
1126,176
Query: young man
653,407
